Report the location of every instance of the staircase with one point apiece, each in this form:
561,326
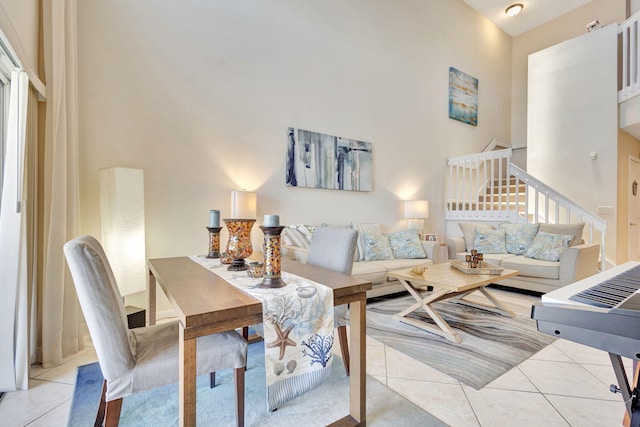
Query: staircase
488,187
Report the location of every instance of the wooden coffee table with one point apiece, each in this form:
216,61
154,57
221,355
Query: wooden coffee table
447,283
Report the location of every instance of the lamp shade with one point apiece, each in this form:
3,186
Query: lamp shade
243,205
122,219
416,209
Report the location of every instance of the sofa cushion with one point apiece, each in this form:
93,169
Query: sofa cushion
376,246
364,228
400,264
547,246
573,230
490,241
406,244
519,237
371,271
469,232
533,267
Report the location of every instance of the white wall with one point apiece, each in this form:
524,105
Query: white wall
572,111
563,28
200,95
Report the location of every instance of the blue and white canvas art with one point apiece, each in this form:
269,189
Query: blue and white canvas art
463,97
317,160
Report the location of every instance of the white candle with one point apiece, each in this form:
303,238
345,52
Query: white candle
214,218
271,221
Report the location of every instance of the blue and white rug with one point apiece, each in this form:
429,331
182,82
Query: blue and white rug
491,344
216,407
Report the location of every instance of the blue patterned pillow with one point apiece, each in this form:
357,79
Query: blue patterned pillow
376,246
406,244
519,237
490,241
548,247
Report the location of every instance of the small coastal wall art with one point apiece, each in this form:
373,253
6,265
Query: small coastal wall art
318,160
463,97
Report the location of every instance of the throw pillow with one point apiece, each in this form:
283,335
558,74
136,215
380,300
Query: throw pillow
376,246
548,247
519,237
469,232
294,237
406,244
373,229
490,241
573,230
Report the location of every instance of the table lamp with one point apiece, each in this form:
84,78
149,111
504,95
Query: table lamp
415,211
243,214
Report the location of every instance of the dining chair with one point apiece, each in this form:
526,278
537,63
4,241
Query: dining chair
333,248
134,360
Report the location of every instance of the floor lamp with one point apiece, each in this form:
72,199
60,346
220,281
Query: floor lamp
122,218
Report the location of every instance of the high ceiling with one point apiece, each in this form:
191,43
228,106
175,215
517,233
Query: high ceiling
534,14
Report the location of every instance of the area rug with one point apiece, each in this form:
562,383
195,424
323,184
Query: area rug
491,344
319,407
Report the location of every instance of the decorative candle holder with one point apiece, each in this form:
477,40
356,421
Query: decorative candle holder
239,245
214,242
475,259
272,257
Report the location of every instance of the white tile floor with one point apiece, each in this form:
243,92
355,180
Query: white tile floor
566,384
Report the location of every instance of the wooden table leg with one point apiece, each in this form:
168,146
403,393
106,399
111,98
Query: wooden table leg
358,375
497,306
187,381
151,293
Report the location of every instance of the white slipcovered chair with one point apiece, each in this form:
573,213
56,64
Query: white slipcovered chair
333,249
143,358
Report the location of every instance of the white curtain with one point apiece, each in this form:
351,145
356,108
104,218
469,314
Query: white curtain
14,305
61,331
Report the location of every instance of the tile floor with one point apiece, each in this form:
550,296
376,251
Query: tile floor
566,384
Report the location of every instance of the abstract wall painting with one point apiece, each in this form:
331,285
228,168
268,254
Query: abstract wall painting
318,160
463,97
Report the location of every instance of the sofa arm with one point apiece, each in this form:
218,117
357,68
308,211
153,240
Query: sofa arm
296,253
455,245
436,251
578,262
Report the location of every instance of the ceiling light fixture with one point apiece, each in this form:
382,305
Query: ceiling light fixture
514,9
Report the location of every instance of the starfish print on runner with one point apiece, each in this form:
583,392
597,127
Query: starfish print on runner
283,339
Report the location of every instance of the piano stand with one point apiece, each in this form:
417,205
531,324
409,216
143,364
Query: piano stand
630,396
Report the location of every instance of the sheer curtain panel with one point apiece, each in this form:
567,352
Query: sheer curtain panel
61,319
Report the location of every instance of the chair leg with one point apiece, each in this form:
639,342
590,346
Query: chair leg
239,380
212,379
102,406
344,347
112,415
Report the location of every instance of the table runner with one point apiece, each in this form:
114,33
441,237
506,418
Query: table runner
298,330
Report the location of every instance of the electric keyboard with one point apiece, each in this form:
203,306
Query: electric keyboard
601,311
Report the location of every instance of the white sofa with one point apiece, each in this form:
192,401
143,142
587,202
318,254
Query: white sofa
374,271
576,262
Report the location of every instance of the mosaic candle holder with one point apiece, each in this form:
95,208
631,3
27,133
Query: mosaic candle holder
272,257
214,242
239,245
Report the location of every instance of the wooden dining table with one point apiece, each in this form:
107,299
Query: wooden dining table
206,304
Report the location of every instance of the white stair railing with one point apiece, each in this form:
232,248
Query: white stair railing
488,187
629,32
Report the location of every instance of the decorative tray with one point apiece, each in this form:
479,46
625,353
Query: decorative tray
485,267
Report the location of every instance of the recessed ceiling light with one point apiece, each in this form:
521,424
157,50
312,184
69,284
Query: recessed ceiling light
514,9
